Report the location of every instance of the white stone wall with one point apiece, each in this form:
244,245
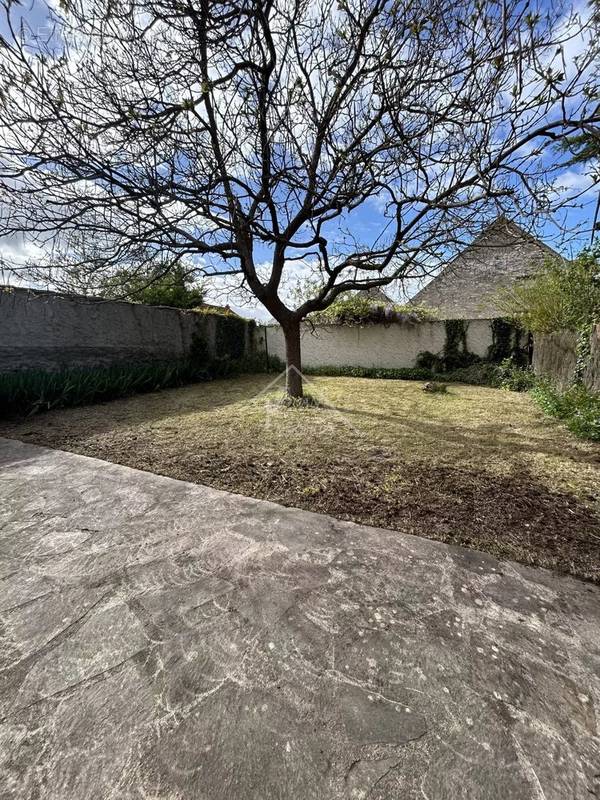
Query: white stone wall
393,346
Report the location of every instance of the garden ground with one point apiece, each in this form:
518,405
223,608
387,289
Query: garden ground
477,467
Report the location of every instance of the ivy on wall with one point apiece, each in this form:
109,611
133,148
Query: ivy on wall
234,346
506,344
456,352
583,352
230,336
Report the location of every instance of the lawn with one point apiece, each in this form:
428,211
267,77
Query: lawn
478,467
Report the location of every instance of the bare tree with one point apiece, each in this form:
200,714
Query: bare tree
353,141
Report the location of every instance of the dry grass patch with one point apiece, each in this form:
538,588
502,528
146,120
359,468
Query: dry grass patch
478,467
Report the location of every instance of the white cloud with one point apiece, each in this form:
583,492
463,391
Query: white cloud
16,254
575,182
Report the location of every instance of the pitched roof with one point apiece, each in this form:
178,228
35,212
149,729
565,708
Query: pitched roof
467,287
375,293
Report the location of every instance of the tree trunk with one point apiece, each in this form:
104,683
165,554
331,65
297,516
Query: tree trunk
293,368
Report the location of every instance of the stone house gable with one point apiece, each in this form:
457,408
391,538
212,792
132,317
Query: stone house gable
468,286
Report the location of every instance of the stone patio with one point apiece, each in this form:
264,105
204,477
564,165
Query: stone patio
168,641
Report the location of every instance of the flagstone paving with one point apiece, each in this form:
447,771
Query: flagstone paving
165,640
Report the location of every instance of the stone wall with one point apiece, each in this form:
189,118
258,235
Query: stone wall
393,346
43,330
554,357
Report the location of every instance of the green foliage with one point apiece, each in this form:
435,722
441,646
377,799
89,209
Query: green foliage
430,361
562,296
172,286
456,353
583,351
199,354
507,343
348,310
511,375
401,373
577,407
356,309
456,338
230,336
416,313
480,373
31,391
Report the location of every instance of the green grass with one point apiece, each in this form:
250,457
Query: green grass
31,391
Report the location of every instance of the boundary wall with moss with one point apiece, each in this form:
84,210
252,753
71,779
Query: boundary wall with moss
53,332
555,356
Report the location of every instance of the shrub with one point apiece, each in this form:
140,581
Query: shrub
577,407
510,375
270,363
428,360
481,373
561,296
400,373
436,363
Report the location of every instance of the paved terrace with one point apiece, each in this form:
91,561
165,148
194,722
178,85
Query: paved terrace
168,641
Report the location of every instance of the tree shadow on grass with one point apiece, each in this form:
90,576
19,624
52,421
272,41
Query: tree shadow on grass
139,409
486,437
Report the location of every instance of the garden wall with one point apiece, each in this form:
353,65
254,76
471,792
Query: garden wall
390,346
554,357
44,330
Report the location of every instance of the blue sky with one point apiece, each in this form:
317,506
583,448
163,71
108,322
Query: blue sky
576,219
568,233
